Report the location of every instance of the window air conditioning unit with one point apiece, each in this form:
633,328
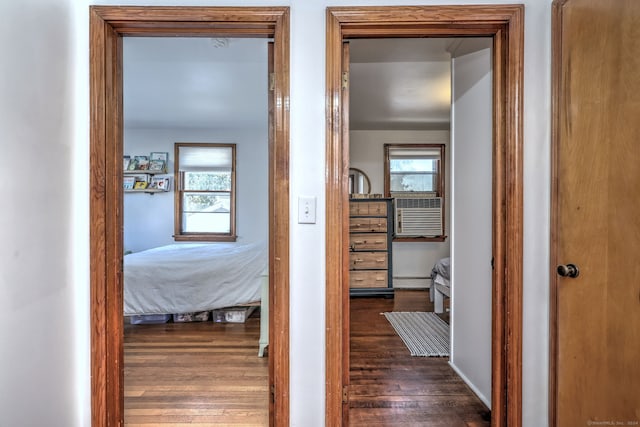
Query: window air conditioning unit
418,217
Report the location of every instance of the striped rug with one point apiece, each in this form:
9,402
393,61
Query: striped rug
424,334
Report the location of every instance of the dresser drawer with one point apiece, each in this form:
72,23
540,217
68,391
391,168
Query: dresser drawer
368,260
368,241
368,279
374,225
368,209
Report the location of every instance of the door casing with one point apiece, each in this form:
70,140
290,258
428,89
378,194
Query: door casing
505,24
108,24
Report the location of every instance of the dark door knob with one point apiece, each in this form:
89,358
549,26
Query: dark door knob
568,270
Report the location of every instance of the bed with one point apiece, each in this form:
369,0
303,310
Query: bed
184,278
440,283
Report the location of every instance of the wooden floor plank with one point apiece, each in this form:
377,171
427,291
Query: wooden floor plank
208,374
389,387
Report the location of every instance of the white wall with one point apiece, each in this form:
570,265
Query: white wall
44,304
366,152
148,218
471,233
44,104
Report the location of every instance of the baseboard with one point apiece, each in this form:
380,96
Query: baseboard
471,385
411,283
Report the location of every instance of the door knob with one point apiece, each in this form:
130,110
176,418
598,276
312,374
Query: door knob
569,270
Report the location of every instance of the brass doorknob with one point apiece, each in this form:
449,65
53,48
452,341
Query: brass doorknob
568,270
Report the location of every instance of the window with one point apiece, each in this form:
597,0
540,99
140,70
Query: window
414,177
205,192
414,169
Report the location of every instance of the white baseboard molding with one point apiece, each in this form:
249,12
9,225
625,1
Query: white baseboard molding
411,283
471,385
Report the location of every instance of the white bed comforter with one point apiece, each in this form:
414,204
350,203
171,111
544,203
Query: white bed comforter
184,278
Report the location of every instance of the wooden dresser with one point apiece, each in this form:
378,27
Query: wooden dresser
370,238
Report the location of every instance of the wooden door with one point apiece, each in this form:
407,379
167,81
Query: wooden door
595,324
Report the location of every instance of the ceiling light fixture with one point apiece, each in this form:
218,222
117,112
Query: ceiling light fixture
220,43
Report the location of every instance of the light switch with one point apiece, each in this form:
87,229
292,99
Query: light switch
306,210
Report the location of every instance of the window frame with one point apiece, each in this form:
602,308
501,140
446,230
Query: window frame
440,184
179,234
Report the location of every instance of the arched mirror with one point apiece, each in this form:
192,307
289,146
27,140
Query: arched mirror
358,182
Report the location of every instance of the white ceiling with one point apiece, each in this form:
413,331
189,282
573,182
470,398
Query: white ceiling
222,83
194,82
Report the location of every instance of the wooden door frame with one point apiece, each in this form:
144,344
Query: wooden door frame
108,24
505,23
556,96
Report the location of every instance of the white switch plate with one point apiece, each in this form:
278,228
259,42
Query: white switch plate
306,210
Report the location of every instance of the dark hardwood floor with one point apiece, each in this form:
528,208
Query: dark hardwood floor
208,374
391,388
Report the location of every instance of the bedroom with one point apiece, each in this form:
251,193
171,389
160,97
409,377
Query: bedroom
436,105
203,104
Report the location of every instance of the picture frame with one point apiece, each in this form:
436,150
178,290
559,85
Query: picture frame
159,155
164,184
160,183
142,162
157,165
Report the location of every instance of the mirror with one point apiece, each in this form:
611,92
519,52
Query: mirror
358,182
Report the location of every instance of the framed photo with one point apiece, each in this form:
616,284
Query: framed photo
142,162
160,183
157,155
164,184
156,165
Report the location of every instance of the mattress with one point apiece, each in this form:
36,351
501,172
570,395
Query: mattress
183,278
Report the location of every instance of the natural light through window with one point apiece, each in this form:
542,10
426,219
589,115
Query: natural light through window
414,168
205,192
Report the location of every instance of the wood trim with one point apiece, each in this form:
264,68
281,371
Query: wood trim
108,24
336,205
97,219
271,127
279,226
346,289
505,24
556,93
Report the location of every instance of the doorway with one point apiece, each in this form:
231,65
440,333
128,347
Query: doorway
505,25
402,135
108,25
